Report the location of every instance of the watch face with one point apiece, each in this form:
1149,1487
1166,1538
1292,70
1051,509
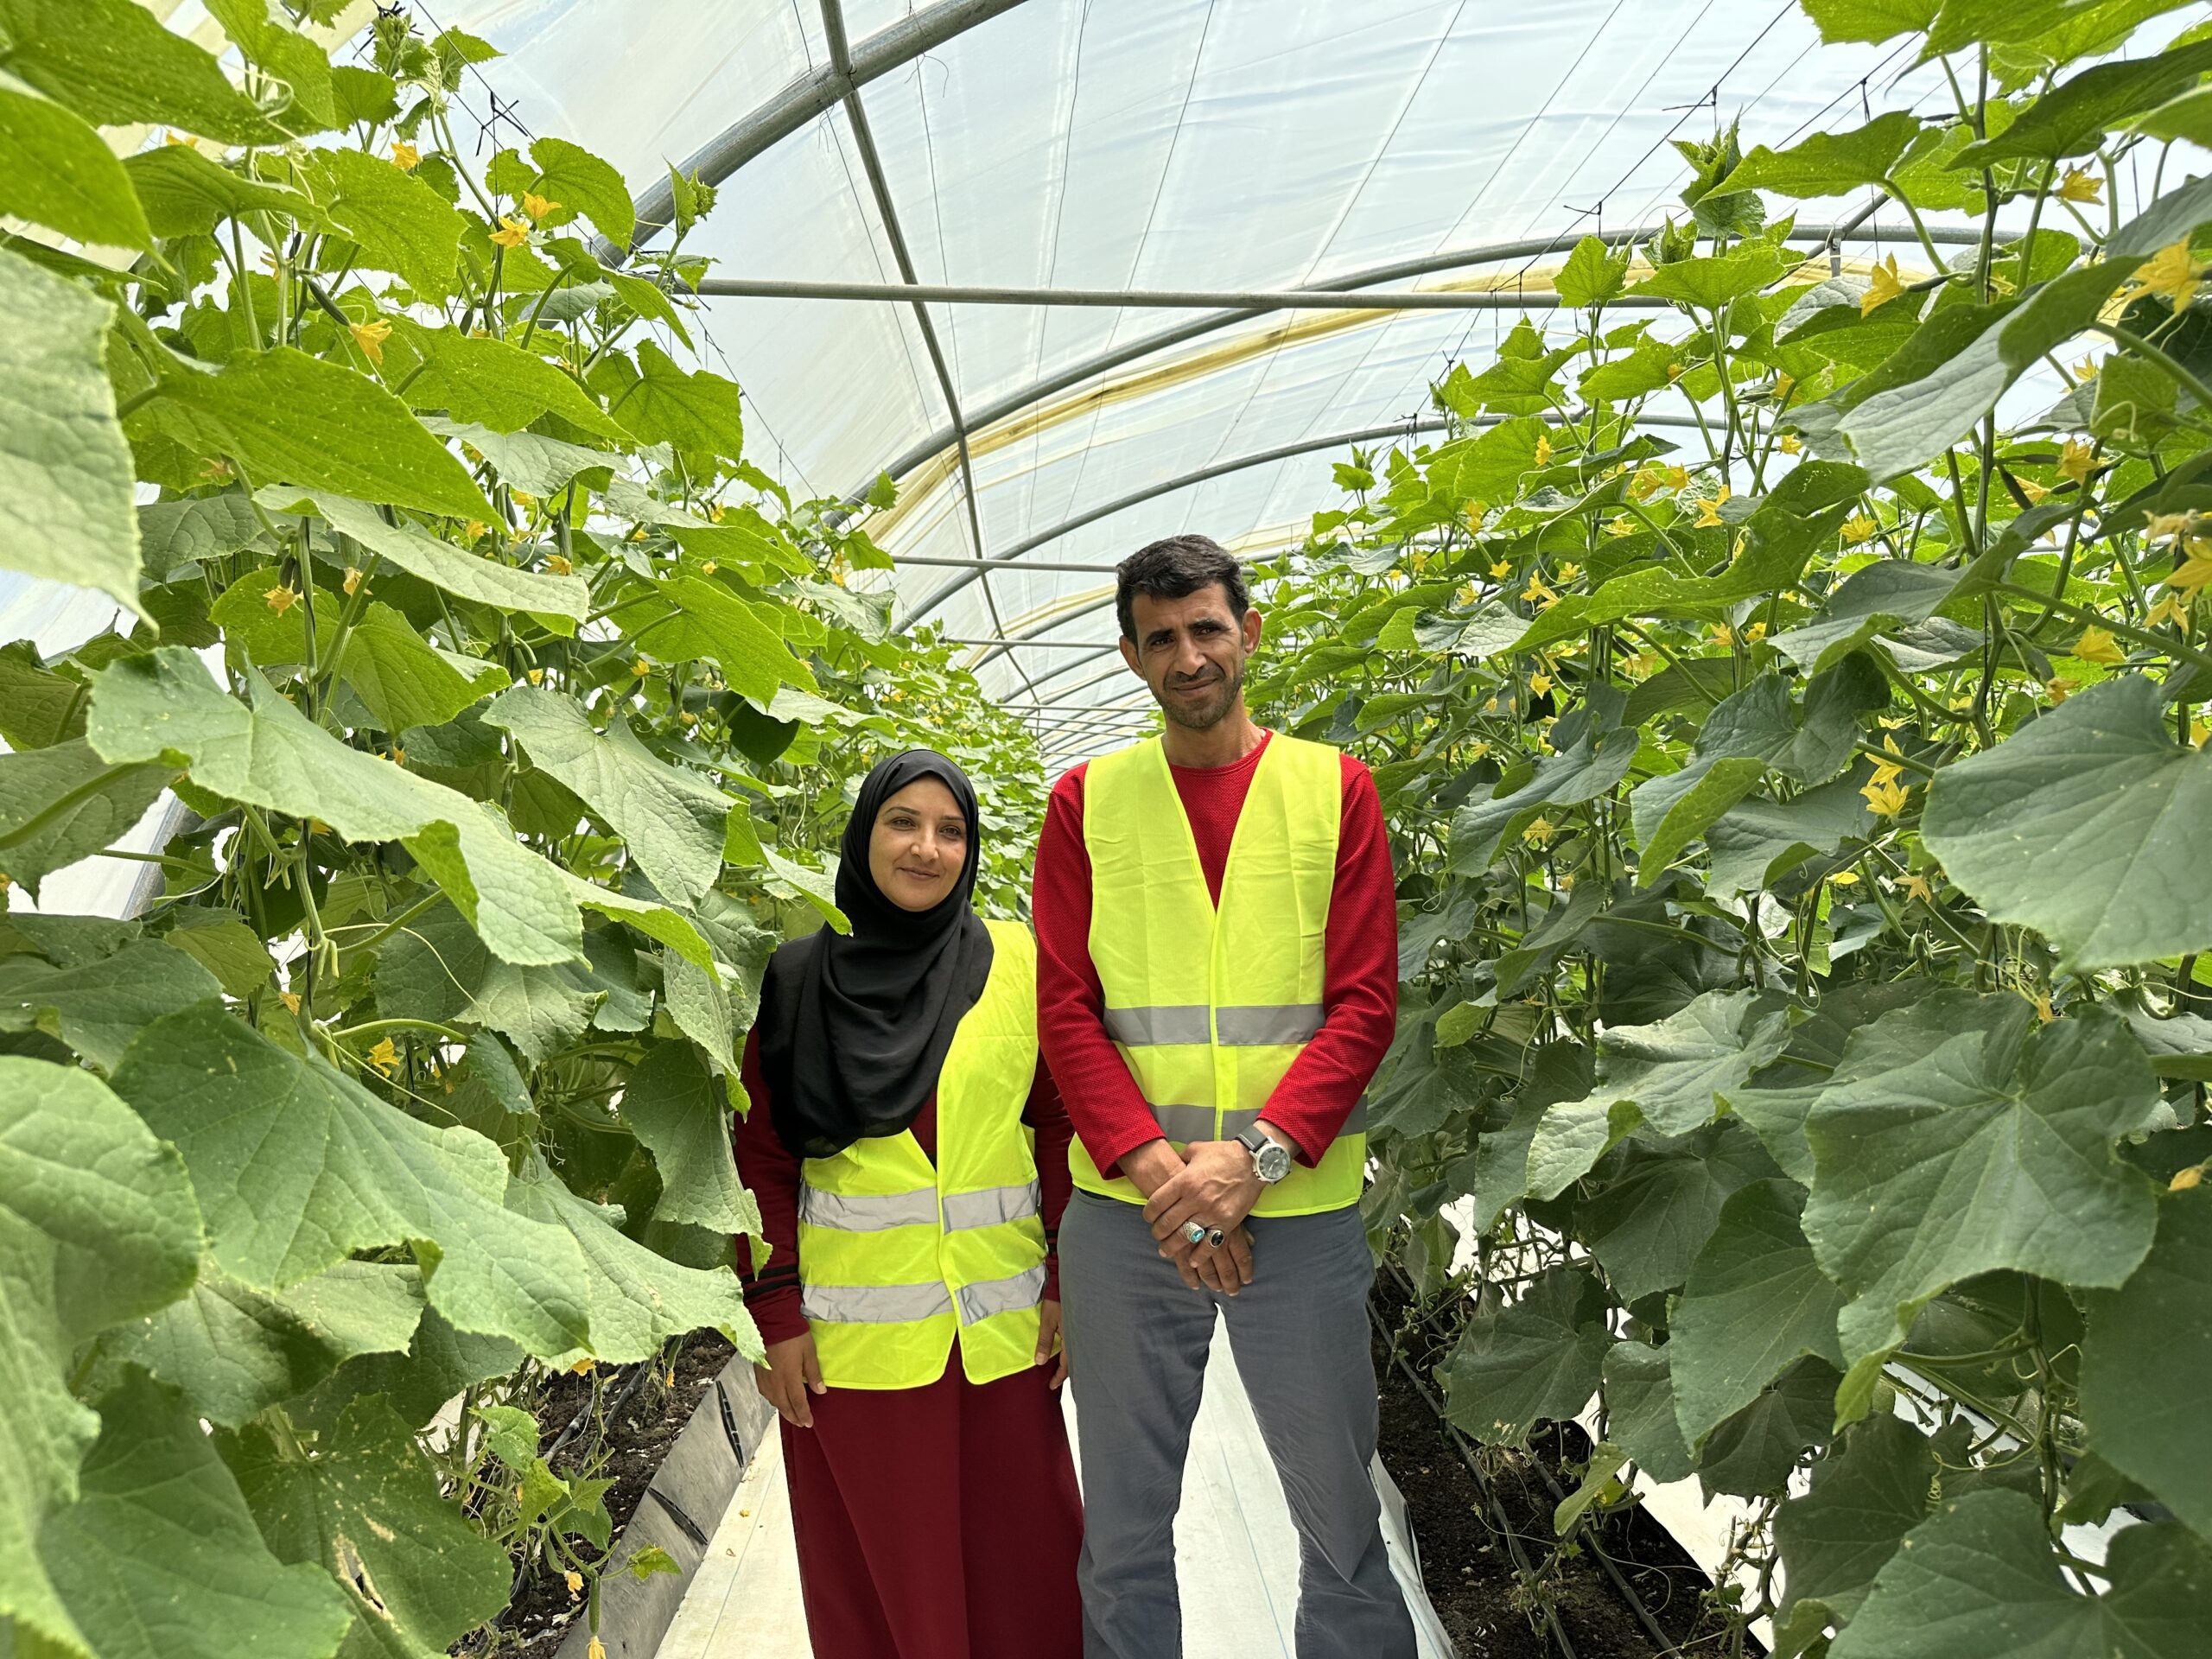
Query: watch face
1274,1162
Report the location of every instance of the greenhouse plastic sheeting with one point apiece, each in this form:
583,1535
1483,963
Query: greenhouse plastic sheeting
1215,144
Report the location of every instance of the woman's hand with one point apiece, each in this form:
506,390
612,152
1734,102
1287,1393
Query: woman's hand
1048,1338
792,1372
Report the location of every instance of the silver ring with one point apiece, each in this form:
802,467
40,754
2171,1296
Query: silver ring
1195,1231
1214,1237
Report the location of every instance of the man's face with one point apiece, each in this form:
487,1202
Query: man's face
1192,652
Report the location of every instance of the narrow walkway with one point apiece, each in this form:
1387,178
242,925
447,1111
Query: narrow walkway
744,1603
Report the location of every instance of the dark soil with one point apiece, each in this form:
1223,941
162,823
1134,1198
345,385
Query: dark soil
636,1435
1488,1607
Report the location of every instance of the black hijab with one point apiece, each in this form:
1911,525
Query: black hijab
853,1027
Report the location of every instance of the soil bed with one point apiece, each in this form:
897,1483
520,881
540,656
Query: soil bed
1467,1563
628,1450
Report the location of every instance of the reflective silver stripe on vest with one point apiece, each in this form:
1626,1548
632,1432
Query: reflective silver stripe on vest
1148,1027
1184,1123
1268,1024
979,1301
991,1205
876,1304
1189,1124
851,1212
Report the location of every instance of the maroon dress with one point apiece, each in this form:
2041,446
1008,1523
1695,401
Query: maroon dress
936,1523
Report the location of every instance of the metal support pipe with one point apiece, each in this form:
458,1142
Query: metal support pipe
833,24
1221,468
1162,299
905,559
806,97
1042,644
1533,247
1103,602
1218,469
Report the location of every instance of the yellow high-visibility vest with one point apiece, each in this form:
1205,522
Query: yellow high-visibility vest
898,1257
1208,1007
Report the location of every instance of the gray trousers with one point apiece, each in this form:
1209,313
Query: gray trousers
1137,1339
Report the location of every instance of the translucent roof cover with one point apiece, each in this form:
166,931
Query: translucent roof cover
1147,144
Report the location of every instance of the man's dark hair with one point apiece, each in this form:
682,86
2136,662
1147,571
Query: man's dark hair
1175,569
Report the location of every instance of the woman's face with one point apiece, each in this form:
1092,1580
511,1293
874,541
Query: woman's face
920,845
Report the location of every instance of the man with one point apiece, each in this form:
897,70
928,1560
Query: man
1216,981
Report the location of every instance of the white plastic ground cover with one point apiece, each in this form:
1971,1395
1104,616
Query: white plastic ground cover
1236,1554
1220,144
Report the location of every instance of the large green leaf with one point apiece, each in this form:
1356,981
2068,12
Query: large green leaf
1908,425
159,1558
287,417
557,599
639,1298
365,1505
1640,1410
65,471
405,680
222,944
96,1226
55,170
694,411
438,1365
1538,1359
711,621
2145,1362
1865,1495
2072,119
489,383
164,705
1979,1580
1756,1452
1954,1141
1664,1075
235,1351
399,222
98,1007
297,1167
1593,273
1711,281
1748,732
64,803
676,1111
38,707
1872,21
670,821
184,193
1649,1222
1780,534
2089,824
1755,1303
1827,164
1758,842
114,62
1581,772
572,176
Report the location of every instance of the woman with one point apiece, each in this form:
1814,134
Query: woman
910,1157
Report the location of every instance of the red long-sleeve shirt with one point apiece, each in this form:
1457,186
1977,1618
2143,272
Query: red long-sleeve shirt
1359,996
771,1169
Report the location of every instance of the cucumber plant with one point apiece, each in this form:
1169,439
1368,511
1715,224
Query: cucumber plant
508,710
1790,712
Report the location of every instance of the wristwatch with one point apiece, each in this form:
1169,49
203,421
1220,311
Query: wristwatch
1270,1158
